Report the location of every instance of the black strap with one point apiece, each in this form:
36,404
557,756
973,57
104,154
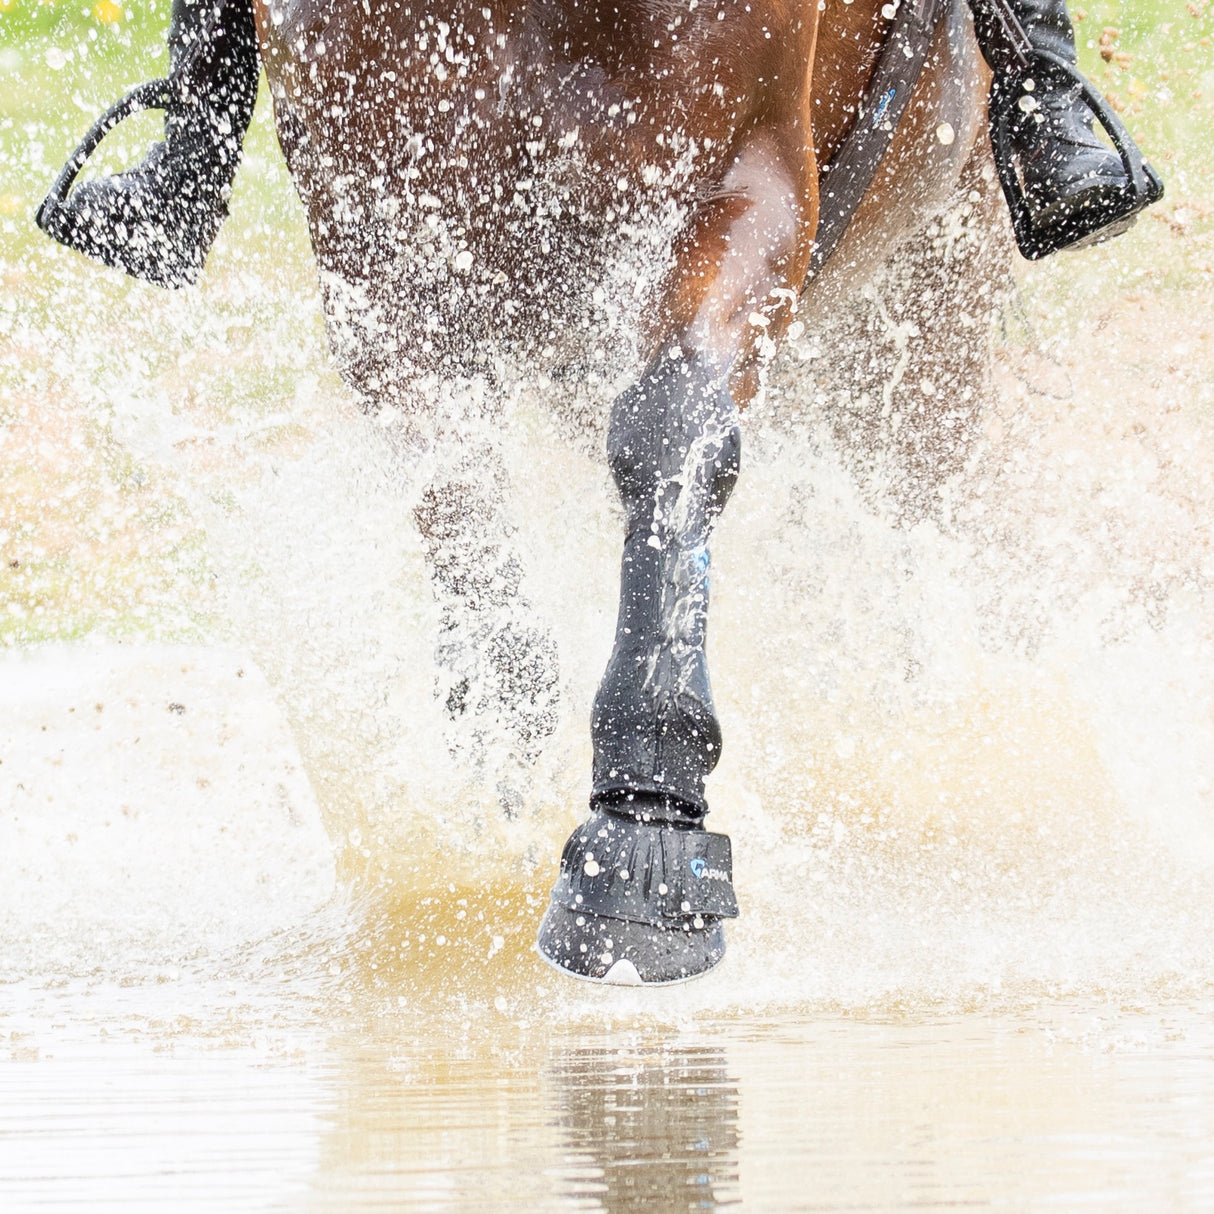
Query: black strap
845,180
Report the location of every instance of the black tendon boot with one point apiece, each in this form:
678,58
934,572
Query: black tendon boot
643,888
157,221
1065,186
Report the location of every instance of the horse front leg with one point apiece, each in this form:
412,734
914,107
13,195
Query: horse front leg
674,447
496,663
643,889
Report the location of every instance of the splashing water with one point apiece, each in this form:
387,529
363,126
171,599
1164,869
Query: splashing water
966,760
267,902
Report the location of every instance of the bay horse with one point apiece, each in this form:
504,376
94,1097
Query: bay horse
481,170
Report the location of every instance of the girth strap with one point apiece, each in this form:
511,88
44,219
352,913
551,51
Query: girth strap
845,180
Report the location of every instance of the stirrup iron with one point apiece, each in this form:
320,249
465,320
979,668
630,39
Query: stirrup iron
1097,220
154,95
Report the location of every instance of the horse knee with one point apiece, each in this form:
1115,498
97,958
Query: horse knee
674,445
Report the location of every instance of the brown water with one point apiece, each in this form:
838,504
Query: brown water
1054,1106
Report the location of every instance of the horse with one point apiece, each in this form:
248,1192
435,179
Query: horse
484,169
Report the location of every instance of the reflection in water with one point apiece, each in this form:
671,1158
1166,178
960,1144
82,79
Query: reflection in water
1065,1107
655,1125
179,1096
622,1122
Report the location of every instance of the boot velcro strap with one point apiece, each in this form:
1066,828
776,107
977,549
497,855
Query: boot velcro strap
646,872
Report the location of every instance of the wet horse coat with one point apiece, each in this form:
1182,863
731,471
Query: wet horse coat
487,115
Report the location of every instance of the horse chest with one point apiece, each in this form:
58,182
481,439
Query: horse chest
500,192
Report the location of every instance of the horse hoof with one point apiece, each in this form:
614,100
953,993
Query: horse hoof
615,952
639,903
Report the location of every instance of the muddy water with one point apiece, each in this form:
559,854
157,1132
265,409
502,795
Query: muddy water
1050,1107
266,918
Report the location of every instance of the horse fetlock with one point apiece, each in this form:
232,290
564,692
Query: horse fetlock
157,220
654,725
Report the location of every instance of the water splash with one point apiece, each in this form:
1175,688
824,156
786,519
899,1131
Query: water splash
967,759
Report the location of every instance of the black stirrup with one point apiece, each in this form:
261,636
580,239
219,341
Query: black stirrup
151,96
1099,214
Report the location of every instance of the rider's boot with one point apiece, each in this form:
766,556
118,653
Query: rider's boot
157,221
1071,186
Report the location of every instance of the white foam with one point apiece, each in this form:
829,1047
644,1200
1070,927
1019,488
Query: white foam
153,804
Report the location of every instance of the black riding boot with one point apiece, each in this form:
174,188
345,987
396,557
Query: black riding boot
158,220
1066,187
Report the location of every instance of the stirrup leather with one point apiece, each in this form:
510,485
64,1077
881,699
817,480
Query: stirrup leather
1089,224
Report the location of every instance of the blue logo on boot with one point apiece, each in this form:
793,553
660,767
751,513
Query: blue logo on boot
698,865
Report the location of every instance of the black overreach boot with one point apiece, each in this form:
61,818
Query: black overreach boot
157,221
643,887
1065,187
642,895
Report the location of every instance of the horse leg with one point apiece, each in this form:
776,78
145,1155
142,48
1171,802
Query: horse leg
643,889
499,667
